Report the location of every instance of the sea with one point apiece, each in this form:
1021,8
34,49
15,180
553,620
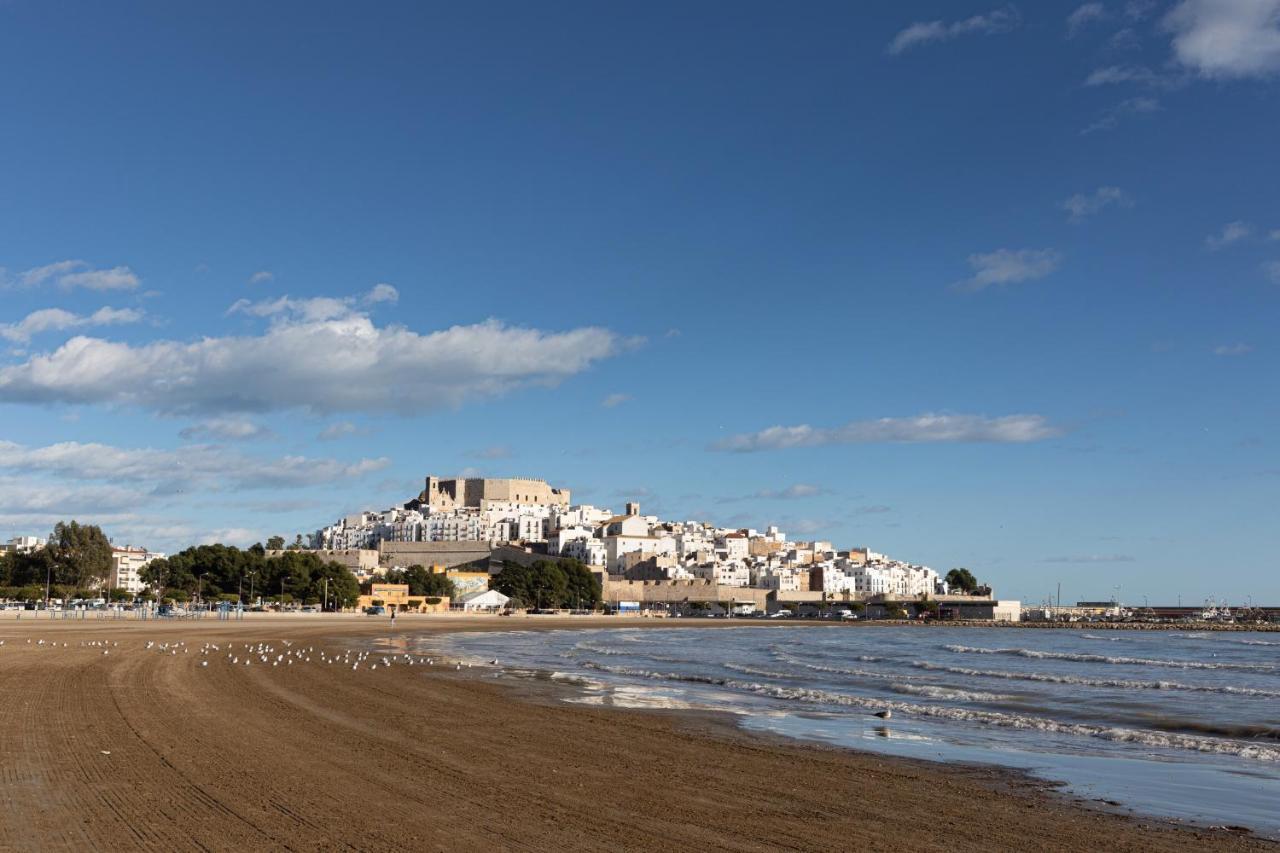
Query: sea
1181,725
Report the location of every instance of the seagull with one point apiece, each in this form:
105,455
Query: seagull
884,715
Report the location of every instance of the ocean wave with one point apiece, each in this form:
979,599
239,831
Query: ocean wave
1141,737
933,691
1256,642
837,670
1122,661
634,653
1127,684
754,670
819,651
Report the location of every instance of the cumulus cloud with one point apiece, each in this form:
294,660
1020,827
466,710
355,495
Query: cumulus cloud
1232,232
72,274
226,429
59,320
1232,349
1015,429
1009,266
382,292
261,277
1001,20
1083,16
1271,269
1226,39
1083,205
1126,108
206,467
615,400
317,354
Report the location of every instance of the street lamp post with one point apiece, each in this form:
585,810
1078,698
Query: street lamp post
283,578
251,579
200,587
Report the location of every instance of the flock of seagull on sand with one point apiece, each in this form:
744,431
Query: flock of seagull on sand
266,654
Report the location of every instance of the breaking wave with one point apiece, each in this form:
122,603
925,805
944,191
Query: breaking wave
1143,737
1127,684
1123,661
932,691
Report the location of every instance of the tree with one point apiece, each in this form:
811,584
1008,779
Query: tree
962,580
79,555
550,583
424,582
894,610
275,543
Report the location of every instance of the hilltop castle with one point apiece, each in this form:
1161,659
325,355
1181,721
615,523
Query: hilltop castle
480,493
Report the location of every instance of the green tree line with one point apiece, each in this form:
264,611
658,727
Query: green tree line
77,564
550,584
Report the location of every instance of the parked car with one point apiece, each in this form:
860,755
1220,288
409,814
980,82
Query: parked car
375,610
781,614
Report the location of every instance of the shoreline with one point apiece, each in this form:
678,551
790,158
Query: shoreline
142,750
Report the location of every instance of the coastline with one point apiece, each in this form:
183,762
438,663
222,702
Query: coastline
412,758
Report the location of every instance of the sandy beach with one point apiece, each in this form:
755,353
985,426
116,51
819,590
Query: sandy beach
135,749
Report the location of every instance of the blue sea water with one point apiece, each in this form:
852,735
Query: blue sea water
1174,724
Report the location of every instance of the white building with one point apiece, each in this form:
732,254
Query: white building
23,545
127,564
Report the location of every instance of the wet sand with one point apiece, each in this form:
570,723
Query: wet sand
138,749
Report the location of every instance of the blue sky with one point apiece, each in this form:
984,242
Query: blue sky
973,284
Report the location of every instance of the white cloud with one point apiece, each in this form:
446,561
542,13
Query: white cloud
261,277
1007,266
1083,16
58,320
1226,39
1232,232
1128,107
382,292
1271,269
927,428
72,274
1138,10
317,354
793,492
205,467
241,537
341,429
25,497
226,429
1232,349
1274,235
1113,74
615,400
996,21
1081,205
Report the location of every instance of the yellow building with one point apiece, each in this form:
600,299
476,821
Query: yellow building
395,596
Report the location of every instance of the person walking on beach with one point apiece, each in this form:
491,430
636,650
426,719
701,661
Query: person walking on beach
393,617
